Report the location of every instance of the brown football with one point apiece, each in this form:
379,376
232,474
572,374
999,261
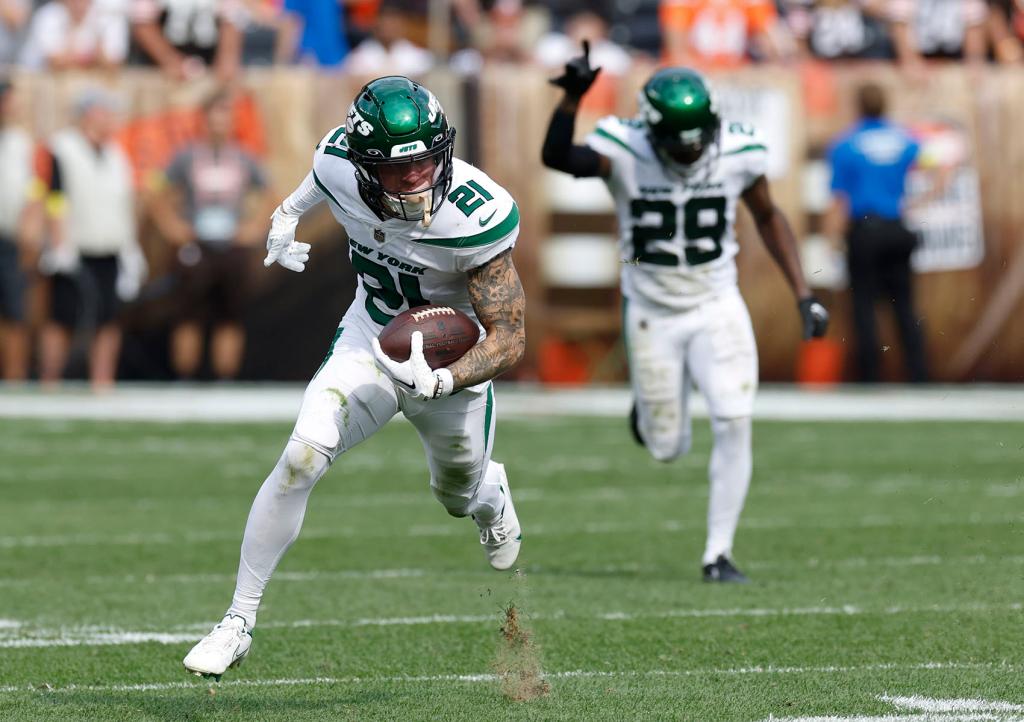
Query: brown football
447,334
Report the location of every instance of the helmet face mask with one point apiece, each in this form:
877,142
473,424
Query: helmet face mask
682,120
381,183
401,145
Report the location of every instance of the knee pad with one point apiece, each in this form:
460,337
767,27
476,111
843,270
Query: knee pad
299,467
668,447
318,431
455,506
454,488
733,433
666,434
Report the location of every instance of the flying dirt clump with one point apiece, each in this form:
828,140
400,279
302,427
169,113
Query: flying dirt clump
518,661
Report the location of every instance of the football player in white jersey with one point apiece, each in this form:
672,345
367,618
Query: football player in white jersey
676,173
423,227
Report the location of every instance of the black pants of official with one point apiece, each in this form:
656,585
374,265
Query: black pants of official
879,263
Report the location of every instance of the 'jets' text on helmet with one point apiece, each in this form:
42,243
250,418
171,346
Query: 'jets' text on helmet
398,136
681,116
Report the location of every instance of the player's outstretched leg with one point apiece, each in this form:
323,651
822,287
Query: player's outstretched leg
274,523
729,470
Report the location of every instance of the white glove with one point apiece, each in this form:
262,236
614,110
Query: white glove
281,244
415,374
63,259
131,272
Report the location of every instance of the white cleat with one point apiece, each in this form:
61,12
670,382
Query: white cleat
220,650
502,537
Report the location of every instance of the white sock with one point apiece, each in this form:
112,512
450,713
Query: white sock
489,500
274,523
729,471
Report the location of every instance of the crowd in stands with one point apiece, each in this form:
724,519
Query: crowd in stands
187,38
214,197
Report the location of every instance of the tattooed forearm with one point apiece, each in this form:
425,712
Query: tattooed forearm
499,302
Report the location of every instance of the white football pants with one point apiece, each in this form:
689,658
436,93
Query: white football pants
348,400
712,347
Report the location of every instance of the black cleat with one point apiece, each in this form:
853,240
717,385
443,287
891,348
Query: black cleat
634,425
724,571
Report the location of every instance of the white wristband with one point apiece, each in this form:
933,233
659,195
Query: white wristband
445,383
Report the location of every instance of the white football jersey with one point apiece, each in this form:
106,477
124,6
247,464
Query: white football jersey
676,235
402,264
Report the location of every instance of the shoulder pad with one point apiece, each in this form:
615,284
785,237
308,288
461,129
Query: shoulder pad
618,136
741,138
334,143
477,212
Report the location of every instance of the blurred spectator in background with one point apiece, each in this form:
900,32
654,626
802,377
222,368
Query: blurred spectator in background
92,252
831,29
205,214
16,175
14,16
953,29
75,34
1005,29
870,164
388,52
271,33
322,40
187,37
498,37
721,32
361,15
555,49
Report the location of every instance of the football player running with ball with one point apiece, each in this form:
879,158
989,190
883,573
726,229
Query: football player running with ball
676,173
423,227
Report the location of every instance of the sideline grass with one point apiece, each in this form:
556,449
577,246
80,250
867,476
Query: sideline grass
886,559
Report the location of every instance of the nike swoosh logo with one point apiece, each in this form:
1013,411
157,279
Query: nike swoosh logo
485,221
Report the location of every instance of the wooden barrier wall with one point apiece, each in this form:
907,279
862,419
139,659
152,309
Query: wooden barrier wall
974,318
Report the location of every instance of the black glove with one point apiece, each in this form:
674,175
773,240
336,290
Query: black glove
578,75
815,317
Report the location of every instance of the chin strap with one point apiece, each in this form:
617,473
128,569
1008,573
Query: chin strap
425,200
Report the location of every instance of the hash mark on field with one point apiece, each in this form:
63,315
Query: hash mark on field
477,678
927,704
926,709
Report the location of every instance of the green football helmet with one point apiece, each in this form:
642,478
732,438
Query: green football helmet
395,126
681,115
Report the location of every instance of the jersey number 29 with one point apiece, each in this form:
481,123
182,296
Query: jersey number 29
704,224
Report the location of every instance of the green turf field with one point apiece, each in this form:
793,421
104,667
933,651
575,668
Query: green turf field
888,562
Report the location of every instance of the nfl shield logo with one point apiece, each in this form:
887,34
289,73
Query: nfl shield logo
378,235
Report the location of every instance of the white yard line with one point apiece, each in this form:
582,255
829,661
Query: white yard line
94,636
98,640
928,704
927,709
487,677
874,521
243,403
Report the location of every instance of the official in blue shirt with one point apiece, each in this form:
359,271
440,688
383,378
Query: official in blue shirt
870,163
323,40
